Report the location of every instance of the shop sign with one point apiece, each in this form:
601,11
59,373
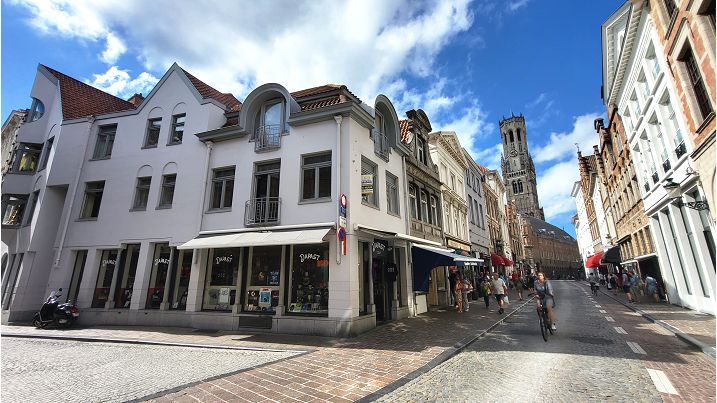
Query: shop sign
161,260
220,259
379,248
224,295
309,256
109,262
265,297
455,245
366,185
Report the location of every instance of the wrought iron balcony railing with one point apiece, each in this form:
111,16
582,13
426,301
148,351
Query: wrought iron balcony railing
666,165
655,178
262,211
267,137
680,150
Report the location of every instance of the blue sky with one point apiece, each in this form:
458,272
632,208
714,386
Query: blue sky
466,63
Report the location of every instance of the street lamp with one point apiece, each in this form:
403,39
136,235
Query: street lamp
673,193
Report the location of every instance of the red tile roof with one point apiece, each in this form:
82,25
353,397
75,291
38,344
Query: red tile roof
207,91
316,90
482,168
81,100
405,128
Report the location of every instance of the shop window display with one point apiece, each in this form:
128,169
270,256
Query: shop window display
126,276
264,279
220,288
160,269
108,261
309,283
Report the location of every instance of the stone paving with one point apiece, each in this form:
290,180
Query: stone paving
694,324
42,370
588,360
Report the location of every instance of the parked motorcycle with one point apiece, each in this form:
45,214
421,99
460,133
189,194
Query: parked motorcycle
54,313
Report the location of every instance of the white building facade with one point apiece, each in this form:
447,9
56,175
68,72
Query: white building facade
644,95
286,213
582,227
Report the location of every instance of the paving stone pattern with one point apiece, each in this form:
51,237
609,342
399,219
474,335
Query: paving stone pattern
586,360
36,370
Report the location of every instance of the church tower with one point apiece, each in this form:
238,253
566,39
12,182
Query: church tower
518,168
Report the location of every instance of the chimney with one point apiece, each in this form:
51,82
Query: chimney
136,99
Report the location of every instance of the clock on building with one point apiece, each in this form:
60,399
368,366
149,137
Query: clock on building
513,153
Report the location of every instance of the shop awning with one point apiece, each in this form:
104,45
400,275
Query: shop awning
496,259
612,256
390,234
426,257
258,238
593,261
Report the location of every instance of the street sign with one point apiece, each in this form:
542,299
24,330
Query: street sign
342,222
342,208
342,234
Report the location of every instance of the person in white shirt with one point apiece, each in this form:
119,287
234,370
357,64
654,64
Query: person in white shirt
499,289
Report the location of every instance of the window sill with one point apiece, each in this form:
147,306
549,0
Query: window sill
28,173
373,206
87,219
138,209
100,158
218,210
163,207
315,201
6,226
394,214
705,123
174,144
145,147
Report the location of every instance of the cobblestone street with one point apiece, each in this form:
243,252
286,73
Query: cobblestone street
601,351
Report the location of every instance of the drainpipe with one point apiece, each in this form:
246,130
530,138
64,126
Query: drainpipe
66,224
338,119
210,146
409,244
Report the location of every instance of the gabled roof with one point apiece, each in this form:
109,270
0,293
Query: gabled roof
81,100
207,91
483,169
547,230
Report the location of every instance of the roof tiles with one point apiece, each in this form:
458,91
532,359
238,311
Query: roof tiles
207,91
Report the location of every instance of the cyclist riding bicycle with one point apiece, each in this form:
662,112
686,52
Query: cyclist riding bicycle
545,291
593,282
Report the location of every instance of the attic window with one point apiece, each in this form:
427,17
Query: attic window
269,124
36,110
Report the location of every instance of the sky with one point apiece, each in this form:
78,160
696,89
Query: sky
466,63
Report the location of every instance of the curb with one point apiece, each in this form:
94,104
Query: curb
148,342
440,358
705,348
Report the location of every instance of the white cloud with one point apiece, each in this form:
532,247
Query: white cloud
515,5
470,124
115,48
235,46
554,187
537,101
562,145
118,82
489,156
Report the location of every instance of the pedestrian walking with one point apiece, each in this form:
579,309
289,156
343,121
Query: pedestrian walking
485,291
608,282
499,290
651,287
613,283
467,288
626,286
458,293
519,285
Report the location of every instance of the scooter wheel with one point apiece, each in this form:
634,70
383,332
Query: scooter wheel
37,322
67,324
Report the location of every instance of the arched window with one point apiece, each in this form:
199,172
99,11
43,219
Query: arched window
515,187
520,186
511,136
517,133
36,110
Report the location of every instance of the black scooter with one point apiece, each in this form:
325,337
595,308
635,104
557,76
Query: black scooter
54,313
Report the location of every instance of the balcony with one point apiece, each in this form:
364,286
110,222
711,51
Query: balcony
680,150
262,211
267,137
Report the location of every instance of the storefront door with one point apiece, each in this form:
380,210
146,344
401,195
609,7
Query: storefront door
382,282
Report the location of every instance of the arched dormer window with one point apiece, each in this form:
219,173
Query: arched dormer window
270,124
385,132
36,110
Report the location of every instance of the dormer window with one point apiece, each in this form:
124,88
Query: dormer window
269,125
36,110
420,145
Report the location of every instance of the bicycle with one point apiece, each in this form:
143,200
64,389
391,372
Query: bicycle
594,288
543,319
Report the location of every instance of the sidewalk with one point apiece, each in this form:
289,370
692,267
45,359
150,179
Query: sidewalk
368,365
693,327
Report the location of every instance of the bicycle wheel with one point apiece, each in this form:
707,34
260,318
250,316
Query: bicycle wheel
548,326
542,327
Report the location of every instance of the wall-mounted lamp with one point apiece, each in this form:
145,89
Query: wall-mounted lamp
673,193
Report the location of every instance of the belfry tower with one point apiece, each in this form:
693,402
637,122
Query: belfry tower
518,168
